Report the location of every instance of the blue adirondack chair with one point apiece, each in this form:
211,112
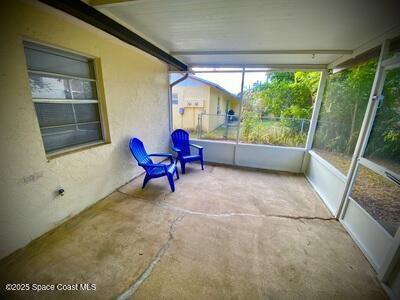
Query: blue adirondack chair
153,170
181,145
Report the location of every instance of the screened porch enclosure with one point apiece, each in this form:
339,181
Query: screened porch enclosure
317,95
340,126
295,106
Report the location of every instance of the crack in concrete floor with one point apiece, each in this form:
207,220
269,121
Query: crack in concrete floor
147,272
240,214
130,291
228,214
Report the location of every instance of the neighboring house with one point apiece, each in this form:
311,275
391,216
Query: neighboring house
195,96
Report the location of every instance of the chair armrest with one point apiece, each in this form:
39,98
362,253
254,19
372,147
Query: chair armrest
169,155
152,165
197,147
155,166
177,150
161,154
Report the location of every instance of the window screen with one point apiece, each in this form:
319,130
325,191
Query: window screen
64,93
342,112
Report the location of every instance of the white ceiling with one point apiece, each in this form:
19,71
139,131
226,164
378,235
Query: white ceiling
249,25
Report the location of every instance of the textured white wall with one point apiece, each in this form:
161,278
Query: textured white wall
136,96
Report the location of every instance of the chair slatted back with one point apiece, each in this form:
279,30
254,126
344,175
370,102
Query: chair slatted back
139,152
180,139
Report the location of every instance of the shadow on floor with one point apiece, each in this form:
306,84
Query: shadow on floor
226,233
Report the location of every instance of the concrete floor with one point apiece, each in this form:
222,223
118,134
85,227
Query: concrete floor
225,233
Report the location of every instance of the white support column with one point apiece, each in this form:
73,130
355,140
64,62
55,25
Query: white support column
314,117
365,129
317,106
170,124
240,117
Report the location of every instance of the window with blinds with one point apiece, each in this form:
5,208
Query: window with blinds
174,98
64,92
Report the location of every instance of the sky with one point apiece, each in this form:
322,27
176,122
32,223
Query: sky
232,81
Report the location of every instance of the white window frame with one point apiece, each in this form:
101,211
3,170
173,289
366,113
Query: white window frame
93,63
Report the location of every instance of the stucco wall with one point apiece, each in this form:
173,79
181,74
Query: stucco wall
217,120
136,96
235,105
189,119
209,95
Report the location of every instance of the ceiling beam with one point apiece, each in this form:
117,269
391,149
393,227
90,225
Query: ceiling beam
108,2
90,15
260,52
297,67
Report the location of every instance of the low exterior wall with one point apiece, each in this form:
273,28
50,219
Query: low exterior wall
327,181
277,158
254,156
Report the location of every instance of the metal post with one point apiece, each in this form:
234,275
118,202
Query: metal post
314,118
364,131
170,113
317,106
302,126
240,118
226,122
199,125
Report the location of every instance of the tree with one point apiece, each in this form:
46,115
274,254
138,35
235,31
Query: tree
288,96
343,106
384,141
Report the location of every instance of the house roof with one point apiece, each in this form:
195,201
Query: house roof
209,83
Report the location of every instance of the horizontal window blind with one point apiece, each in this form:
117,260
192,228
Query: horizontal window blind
64,93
